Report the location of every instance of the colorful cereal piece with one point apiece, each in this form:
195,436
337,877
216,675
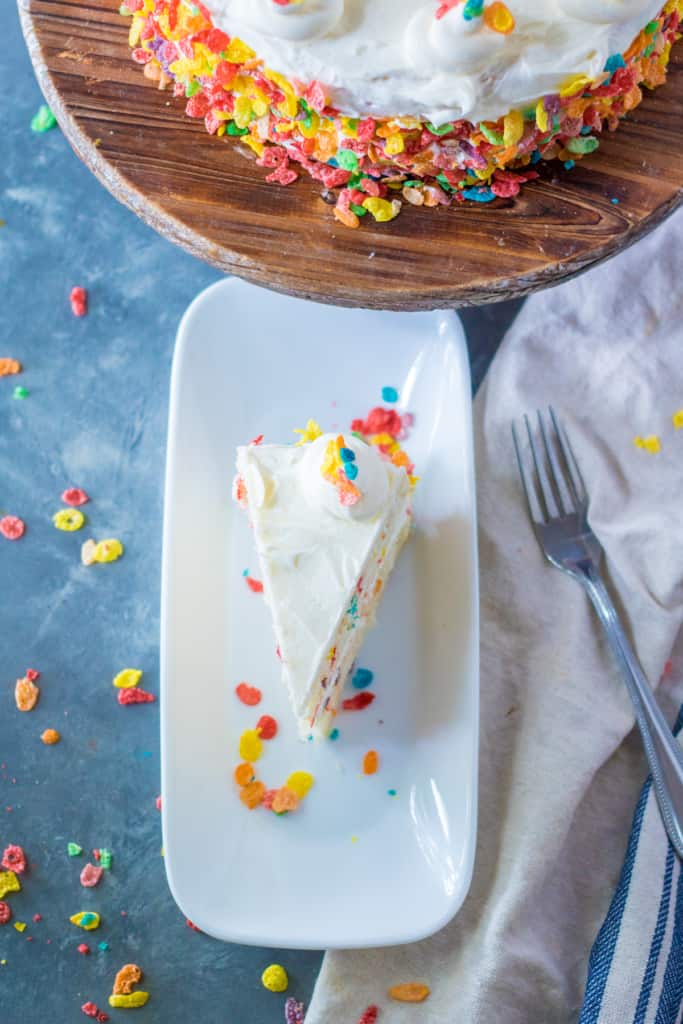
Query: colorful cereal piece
5,912
68,519
294,1011
251,795
267,727
249,695
389,394
8,367
251,747
309,433
50,737
14,859
275,979
43,120
498,17
362,677
130,1002
677,419
285,800
89,920
83,948
78,297
300,782
105,858
255,586
127,678
359,702
108,550
244,773
74,850
129,976
409,992
20,926
91,1010
369,1015
32,674
26,694
135,695
8,883
91,875
12,527
74,496
370,762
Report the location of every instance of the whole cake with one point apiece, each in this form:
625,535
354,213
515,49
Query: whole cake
419,101
330,516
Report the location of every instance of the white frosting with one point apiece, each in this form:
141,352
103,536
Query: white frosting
311,556
388,58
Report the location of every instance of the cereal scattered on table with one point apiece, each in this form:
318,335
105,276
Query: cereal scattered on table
135,695
8,367
5,912
409,992
249,695
74,496
12,527
275,979
78,297
68,519
89,920
651,443
127,678
50,737
91,875
26,694
43,120
370,762
14,859
124,996
294,1011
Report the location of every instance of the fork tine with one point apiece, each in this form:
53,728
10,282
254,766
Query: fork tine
534,509
545,492
573,476
556,475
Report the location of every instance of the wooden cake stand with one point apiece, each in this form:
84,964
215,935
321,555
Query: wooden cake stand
203,194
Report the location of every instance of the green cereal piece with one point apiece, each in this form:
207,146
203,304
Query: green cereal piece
74,850
105,859
43,120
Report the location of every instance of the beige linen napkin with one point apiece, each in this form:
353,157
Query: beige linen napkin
560,765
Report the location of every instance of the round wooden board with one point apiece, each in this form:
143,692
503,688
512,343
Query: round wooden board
202,193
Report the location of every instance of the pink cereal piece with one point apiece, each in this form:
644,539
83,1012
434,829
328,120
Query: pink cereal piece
79,300
255,586
91,876
5,912
12,527
157,803
83,948
134,695
32,674
74,496
14,859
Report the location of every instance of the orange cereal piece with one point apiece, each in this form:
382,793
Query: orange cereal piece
244,774
50,737
370,762
498,17
252,794
409,992
285,800
9,366
26,694
129,975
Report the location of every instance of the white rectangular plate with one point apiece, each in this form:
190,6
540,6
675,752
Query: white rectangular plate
354,866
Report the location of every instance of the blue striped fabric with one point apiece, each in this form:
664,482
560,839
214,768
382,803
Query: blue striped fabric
614,994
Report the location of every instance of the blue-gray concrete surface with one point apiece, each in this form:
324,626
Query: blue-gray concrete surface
95,417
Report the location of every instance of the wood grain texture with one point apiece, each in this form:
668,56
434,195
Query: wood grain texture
202,193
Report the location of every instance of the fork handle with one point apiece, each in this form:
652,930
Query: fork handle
663,752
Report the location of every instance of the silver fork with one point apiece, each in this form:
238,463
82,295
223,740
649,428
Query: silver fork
558,506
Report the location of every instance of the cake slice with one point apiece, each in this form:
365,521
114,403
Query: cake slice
329,516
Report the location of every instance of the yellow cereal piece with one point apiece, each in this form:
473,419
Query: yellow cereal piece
251,746
677,419
409,992
382,209
129,1002
651,443
300,783
127,677
243,111
394,144
275,979
541,116
499,18
20,926
513,127
108,550
8,883
68,519
309,433
88,920
238,52
575,83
